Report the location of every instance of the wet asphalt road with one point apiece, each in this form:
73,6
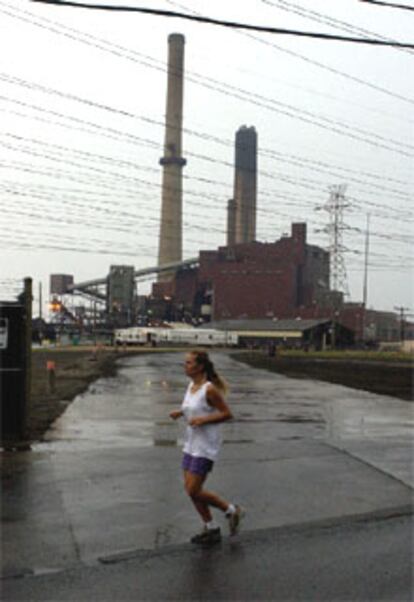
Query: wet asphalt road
107,484
359,563
132,410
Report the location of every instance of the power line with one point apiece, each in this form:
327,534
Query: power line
73,249
318,17
203,135
228,143
313,62
274,194
39,246
389,4
215,85
338,127
42,216
47,215
395,237
58,150
223,23
197,242
122,52
229,164
59,154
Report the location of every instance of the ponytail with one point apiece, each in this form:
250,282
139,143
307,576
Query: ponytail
203,359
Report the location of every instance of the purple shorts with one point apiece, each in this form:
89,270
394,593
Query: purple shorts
200,466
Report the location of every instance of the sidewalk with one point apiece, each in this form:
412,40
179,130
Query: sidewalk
100,490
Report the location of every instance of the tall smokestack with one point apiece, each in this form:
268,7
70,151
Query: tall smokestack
231,222
170,243
245,184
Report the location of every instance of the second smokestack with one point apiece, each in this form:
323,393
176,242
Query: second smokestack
245,186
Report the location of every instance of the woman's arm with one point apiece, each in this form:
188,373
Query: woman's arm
216,401
176,414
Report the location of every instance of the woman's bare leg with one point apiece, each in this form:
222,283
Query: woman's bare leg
212,499
201,507
201,498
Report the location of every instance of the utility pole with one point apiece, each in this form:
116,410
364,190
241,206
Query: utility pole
94,323
365,287
401,311
365,292
40,300
27,297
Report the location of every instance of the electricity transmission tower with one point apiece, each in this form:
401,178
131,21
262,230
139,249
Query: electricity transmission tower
403,316
335,208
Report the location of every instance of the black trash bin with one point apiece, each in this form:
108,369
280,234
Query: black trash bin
12,371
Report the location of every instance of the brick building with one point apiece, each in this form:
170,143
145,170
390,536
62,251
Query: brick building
251,280
287,279
368,325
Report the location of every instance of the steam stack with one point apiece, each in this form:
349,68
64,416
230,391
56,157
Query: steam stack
244,220
231,222
170,243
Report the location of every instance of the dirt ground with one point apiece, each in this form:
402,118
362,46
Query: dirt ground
385,378
75,369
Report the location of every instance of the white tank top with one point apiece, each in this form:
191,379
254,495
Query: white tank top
201,441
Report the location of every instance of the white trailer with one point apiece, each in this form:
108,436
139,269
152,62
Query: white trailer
175,336
134,336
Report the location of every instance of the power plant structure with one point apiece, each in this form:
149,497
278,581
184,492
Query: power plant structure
241,210
170,241
243,280
231,223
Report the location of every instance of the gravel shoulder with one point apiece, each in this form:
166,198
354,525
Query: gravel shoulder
382,377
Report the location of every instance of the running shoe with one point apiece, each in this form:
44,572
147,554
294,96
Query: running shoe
207,536
234,520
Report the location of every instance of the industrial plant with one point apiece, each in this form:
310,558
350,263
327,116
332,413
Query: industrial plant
254,286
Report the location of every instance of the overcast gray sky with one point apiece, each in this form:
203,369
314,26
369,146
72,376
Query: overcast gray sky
80,183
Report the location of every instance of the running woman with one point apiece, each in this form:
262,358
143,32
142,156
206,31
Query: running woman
204,408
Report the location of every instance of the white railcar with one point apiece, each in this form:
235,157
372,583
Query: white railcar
205,337
135,335
175,336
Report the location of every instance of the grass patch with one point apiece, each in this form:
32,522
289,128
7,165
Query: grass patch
355,370
371,356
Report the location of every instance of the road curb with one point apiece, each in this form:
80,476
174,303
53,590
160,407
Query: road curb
266,534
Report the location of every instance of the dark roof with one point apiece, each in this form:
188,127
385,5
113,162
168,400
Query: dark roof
11,304
266,325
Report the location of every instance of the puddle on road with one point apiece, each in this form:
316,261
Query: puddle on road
299,419
291,419
165,442
369,418
237,441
